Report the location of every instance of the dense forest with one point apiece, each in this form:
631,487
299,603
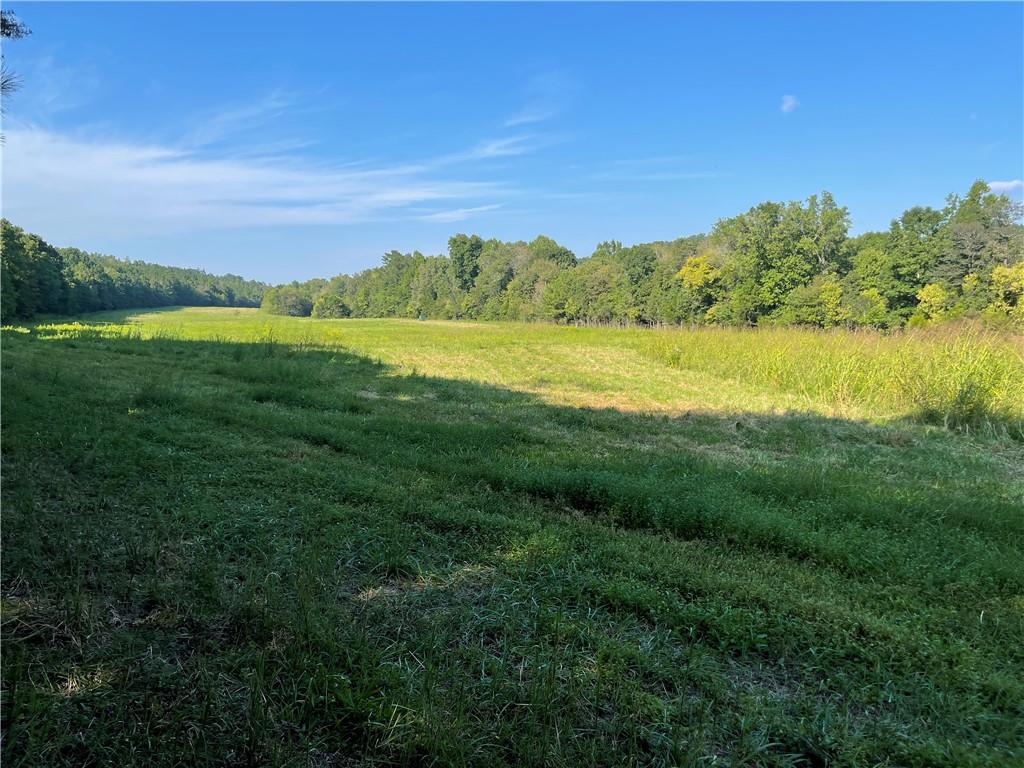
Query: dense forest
778,263
36,277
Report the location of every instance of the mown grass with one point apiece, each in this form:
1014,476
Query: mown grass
234,540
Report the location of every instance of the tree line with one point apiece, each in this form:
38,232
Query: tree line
778,263
37,278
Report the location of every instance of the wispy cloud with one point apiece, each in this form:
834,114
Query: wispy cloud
507,147
232,168
1006,187
458,214
660,168
530,116
69,187
546,96
50,88
657,160
789,103
652,176
224,123
495,149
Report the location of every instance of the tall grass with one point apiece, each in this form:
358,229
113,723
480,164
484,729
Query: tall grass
965,377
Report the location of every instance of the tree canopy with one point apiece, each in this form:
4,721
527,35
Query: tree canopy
11,28
777,263
36,277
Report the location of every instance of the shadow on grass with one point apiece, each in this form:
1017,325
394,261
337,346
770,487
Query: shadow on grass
330,561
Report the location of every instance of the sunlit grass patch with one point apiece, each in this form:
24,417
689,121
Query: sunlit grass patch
962,377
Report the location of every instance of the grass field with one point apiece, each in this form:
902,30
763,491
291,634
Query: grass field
234,539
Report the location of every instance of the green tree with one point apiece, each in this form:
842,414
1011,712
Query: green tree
543,247
329,306
934,302
11,28
772,249
979,234
1008,292
464,251
434,292
285,301
897,265
31,274
819,303
497,267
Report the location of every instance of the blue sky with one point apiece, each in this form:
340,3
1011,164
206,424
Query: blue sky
286,141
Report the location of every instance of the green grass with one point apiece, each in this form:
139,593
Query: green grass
236,539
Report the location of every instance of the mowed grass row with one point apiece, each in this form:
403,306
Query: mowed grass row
234,540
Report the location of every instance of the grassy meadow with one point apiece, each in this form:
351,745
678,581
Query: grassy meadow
237,539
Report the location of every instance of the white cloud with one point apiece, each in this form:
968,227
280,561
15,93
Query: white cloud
668,175
658,160
493,149
545,96
219,125
789,103
528,116
1006,187
49,88
508,147
458,214
70,188
655,168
